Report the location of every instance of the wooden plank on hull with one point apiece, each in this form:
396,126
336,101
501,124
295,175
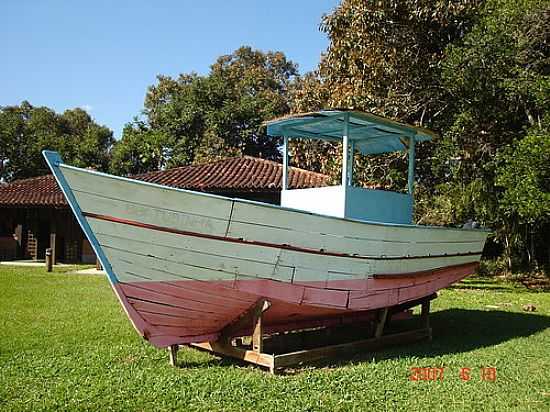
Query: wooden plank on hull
147,194
157,319
373,300
313,239
270,289
215,254
325,297
308,223
311,262
92,203
161,330
139,293
164,309
210,302
159,269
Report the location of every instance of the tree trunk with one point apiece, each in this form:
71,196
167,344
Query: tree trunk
508,252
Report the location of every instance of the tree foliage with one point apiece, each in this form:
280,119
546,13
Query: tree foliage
198,118
26,130
524,176
498,85
385,57
141,150
475,71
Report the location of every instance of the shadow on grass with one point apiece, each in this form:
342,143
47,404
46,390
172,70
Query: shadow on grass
454,331
457,331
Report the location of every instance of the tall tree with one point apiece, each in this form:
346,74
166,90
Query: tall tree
140,150
26,130
220,114
475,71
498,86
385,57
523,174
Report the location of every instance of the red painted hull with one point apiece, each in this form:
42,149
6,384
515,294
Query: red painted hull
186,311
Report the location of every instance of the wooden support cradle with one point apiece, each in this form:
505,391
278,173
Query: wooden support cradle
255,354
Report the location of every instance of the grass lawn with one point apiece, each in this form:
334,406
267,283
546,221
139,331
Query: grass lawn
66,344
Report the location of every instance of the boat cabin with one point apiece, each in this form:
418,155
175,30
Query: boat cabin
358,131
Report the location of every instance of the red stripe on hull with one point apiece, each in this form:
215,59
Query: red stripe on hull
172,312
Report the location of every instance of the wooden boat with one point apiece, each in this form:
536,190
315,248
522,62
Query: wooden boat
185,265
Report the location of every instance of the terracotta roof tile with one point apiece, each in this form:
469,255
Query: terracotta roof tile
35,191
233,175
237,174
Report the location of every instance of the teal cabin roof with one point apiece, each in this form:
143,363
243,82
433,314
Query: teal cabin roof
369,133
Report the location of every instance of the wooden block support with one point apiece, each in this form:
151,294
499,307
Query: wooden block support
252,317
173,351
226,349
274,362
425,316
257,332
345,349
381,323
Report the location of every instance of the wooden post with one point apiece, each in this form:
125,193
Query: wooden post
345,151
257,331
173,350
381,323
49,259
285,163
53,248
425,317
350,164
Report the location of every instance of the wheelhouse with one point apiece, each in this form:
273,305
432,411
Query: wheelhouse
358,131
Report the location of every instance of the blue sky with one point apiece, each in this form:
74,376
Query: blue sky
102,55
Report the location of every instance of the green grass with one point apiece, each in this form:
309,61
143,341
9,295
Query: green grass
66,344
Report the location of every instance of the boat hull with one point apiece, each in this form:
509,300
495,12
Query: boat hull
185,265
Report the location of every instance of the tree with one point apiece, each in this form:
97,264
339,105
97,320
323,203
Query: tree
202,118
475,71
26,130
384,57
497,81
524,176
140,150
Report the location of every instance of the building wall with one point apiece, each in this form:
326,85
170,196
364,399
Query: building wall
36,229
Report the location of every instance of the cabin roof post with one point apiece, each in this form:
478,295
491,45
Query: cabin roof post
350,164
345,150
411,159
285,164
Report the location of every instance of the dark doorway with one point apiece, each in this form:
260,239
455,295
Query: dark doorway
43,239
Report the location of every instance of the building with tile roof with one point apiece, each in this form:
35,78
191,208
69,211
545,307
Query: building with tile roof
34,214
